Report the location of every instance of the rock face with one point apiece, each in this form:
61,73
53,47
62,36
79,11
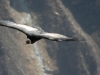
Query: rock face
68,17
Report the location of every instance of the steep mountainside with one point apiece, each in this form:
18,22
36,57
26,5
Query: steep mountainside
68,17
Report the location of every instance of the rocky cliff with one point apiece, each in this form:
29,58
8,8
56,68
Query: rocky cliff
68,17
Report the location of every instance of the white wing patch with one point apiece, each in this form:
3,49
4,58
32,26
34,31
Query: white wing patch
20,25
27,27
54,35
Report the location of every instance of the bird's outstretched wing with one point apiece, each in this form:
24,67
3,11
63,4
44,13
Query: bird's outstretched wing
23,28
57,37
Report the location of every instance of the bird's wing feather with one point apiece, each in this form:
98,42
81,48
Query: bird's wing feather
20,27
56,37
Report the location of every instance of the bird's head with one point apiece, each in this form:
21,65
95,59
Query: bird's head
28,41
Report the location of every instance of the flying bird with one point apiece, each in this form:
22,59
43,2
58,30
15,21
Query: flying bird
36,33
